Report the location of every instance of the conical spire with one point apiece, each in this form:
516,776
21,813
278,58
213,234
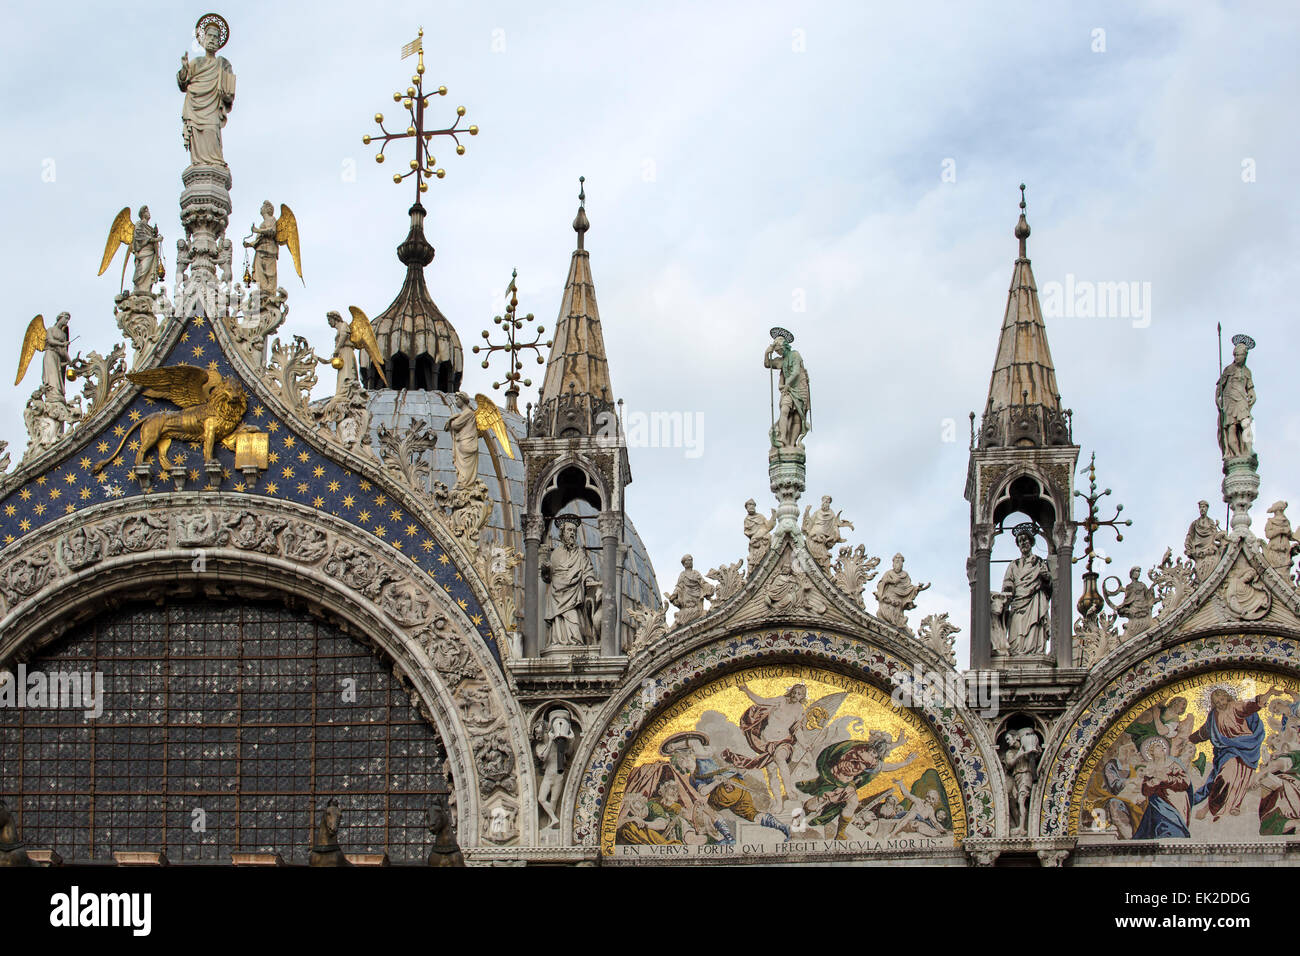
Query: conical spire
1024,406
576,390
420,347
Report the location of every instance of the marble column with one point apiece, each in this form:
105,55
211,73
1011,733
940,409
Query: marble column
610,524
981,607
1063,593
533,527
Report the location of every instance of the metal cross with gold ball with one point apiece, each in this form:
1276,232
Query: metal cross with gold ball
512,324
1090,602
414,99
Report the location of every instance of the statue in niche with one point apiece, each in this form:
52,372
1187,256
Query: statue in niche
555,739
573,599
209,87
794,418
689,595
759,532
1020,754
1235,397
1205,542
896,595
1028,589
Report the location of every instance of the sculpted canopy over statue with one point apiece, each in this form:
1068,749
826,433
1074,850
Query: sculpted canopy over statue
1235,396
574,598
795,415
1027,587
209,87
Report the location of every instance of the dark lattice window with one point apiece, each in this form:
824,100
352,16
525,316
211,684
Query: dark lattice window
254,714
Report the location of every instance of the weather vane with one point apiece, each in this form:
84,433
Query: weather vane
512,324
415,100
1090,602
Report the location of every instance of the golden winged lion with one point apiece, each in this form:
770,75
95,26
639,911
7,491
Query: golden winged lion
211,409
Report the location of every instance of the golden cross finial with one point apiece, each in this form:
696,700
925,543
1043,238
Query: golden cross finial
415,100
512,324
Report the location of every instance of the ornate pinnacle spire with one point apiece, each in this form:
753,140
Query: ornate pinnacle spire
576,389
1024,405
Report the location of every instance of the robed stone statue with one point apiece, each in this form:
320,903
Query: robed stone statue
209,87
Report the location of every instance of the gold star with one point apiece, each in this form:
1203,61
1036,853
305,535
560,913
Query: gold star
198,321
85,464
117,462
273,457
271,487
273,427
288,441
25,494
134,445
348,501
365,485
10,510
239,486
212,336
259,411
477,619
85,493
135,415
194,474
24,525
458,577
394,515
54,494
380,531
318,502
411,530
443,559
186,336
69,508
286,471
318,471
9,539
70,478
426,544
40,480
397,545
39,509
380,499
212,366
333,486
464,605
197,351
102,447
303,456
118,432
363,516
302,487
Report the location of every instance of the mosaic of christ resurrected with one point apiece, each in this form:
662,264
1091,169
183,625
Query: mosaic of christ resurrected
774,756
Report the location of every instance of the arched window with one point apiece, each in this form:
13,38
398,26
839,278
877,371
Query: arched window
224,727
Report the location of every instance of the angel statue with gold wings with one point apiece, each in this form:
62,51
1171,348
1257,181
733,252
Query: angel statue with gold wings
466,426
54,343
143,241
266,240
348,337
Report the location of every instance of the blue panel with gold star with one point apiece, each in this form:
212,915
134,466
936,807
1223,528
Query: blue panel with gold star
296,471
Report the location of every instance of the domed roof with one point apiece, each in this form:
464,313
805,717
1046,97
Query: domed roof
504,478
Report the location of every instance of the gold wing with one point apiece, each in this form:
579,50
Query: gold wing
33,342
363,337
122,232
182,385
488,419
286,234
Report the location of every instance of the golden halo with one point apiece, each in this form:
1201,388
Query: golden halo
223,28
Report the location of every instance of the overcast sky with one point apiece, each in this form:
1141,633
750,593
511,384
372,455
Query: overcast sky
846,170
